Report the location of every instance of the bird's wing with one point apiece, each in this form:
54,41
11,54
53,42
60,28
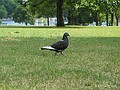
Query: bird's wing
60,45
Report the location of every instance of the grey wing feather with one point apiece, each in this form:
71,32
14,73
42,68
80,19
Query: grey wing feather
60,45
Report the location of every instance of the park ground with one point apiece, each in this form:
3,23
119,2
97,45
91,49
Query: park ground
91,62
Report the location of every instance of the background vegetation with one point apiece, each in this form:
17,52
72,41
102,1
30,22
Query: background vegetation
79,12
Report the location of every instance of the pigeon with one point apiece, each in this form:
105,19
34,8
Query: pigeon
58,46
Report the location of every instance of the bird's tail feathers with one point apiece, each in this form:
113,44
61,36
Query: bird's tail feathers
47,48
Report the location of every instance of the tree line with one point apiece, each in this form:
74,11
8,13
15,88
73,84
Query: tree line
78,12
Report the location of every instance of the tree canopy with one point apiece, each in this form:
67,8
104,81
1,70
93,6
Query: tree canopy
3,12
7,8
23,15
80,12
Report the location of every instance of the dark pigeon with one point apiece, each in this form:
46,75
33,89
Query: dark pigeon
58,46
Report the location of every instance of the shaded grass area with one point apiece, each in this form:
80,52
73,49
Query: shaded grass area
91,62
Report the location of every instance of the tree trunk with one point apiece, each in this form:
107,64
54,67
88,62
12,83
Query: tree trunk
60,21
26,23
48,21
96,13
0,21
70,18
96,18
112,19
116,19
107,19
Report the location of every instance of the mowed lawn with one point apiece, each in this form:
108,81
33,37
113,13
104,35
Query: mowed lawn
91,62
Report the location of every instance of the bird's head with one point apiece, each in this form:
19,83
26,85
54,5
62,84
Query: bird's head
66,34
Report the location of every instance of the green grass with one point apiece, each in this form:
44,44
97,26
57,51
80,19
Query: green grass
91,62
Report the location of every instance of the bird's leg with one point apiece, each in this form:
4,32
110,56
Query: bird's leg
55,53
61,53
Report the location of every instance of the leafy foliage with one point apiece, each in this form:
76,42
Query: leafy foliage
77,11
3,12
23,15
8,7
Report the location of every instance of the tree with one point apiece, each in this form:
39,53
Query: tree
60,21
116,8
97,11
10,6
105,7
49,7
45,8
111,8
88,11
2,2
3,12
70,9
58,5
85,15
117,15
77,11
23,15
0,21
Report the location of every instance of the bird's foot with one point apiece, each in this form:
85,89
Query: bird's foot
55,53
61,53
